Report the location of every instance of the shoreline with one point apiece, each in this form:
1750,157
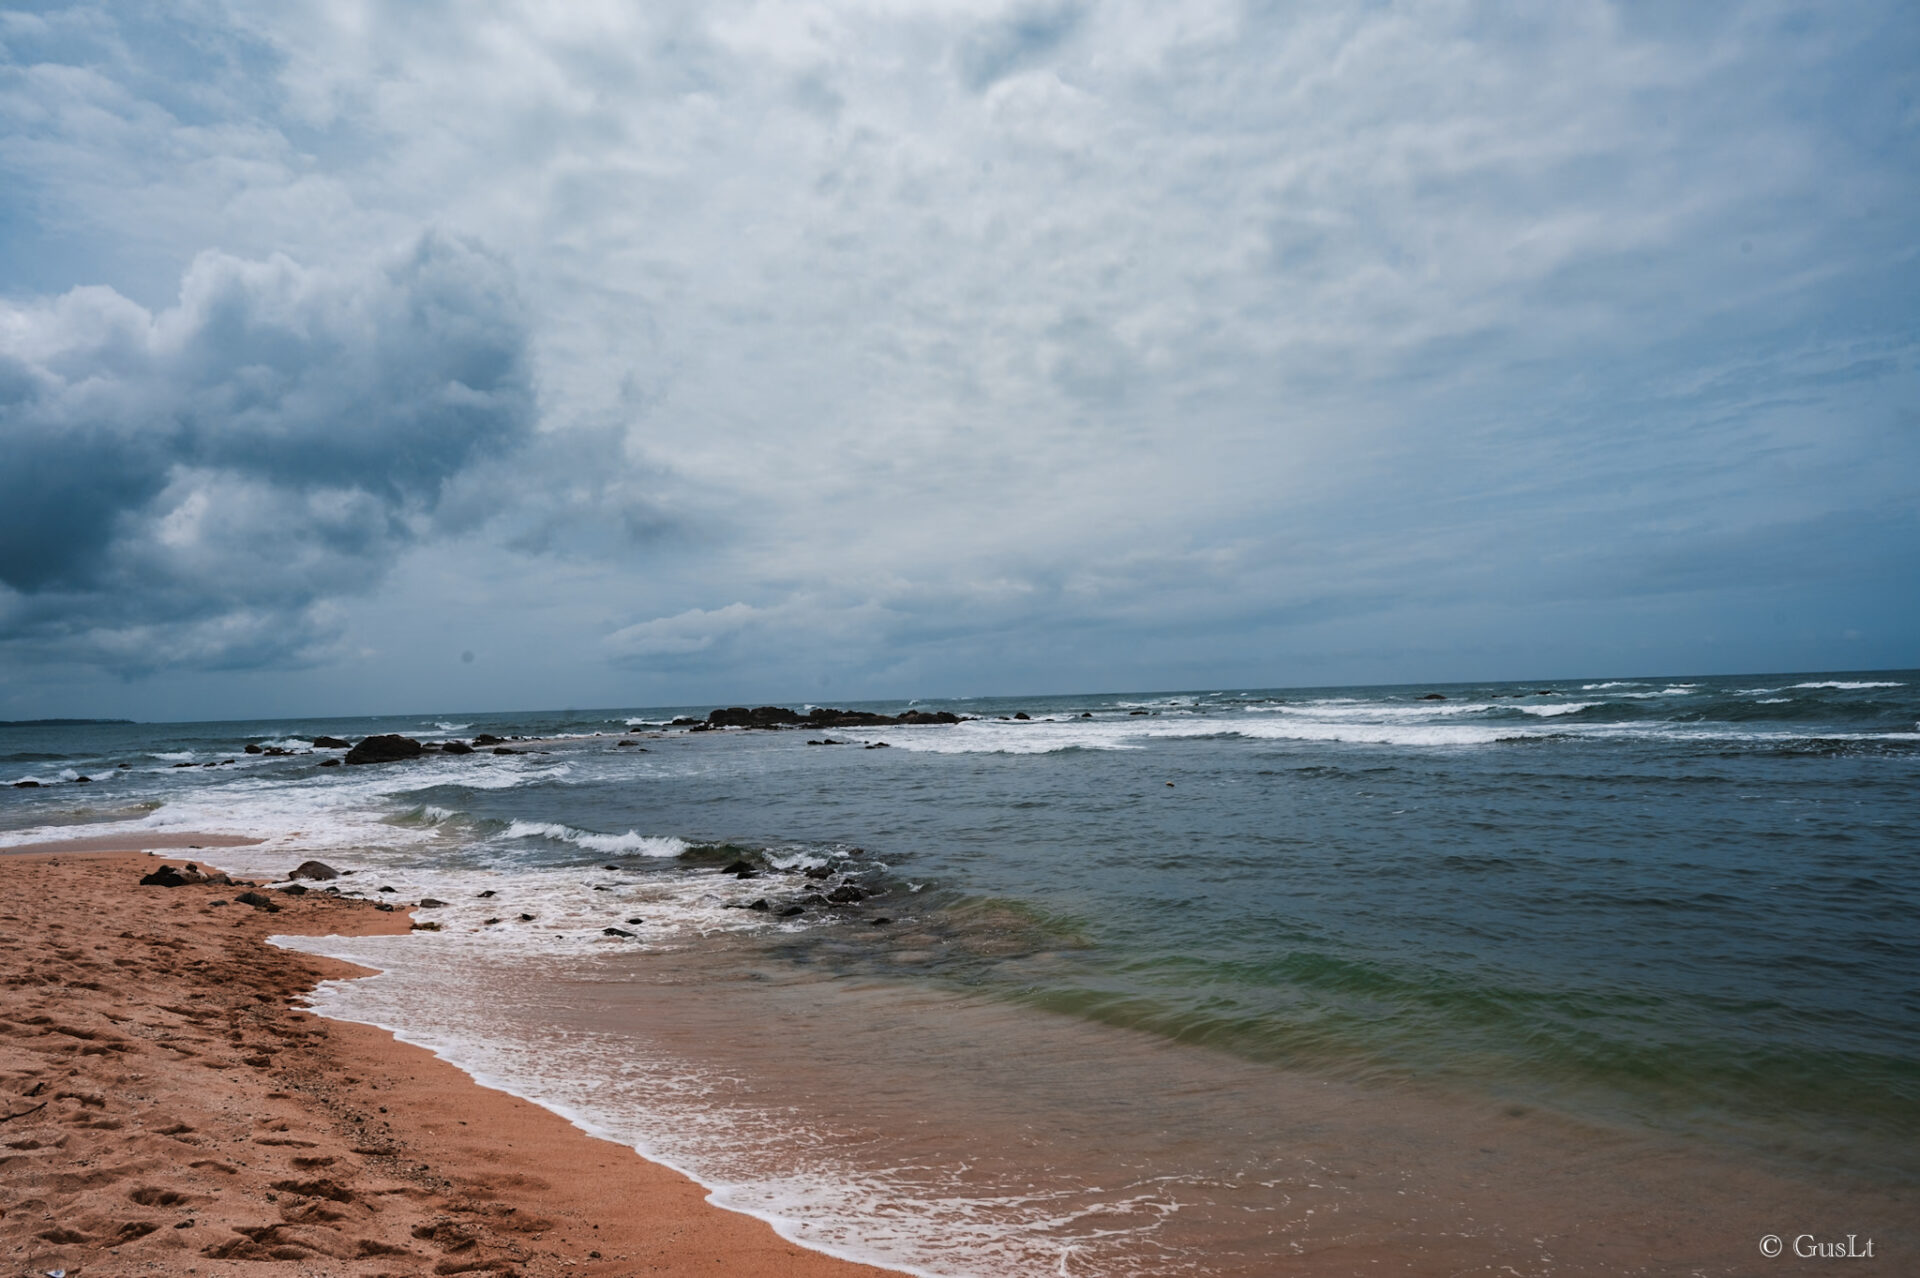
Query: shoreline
329,1143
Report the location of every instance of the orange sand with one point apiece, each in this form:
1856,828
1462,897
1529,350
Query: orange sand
165,1110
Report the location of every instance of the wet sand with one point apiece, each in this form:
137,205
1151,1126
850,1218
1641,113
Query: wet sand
166,1109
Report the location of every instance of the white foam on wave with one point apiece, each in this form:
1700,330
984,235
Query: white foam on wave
1548,712
1850,685
1613,683
631,842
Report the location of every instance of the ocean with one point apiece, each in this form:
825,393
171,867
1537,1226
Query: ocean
1591,975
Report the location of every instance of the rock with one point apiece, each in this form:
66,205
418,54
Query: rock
428,903
123,765
425,927
877,745
1022,715
611,869
741,870
818,871
293,889
83,780
383,888
487,739
929,716
526,918
484,895
846,894
881,921
760,905
636,922
1086,714
185,765
491,922
216,879
504,750
1433,696
330,763
387,748
218,900
615,931
318,871
331,743
790,911
168,877
684,722
624,741
456,747
258,901
277,751
1136,713
35,785
253,748
383,906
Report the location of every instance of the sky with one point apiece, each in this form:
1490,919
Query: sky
363,357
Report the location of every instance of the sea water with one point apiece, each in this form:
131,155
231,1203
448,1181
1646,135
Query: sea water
1594,975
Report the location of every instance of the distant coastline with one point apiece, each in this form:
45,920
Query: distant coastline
59,723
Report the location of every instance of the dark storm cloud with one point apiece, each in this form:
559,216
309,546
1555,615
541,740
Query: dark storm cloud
222,467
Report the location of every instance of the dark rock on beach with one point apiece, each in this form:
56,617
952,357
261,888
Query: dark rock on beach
846,894
258,900
615,931
387,748
456,747
168,877
318,871
294,889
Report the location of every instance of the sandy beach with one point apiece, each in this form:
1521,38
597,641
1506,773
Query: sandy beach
166,1108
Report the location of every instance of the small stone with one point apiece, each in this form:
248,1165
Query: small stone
428,903
615,931
526,918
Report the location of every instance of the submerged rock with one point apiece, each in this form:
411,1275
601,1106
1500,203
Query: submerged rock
456,747
330,763
331,743
35,785
1433,696
387,748
253,748
846,894
487,739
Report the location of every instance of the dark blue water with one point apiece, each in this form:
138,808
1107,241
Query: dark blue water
1687,905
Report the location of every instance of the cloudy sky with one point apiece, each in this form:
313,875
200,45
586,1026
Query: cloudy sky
362,356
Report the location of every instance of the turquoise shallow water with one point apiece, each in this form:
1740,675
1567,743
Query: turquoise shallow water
1682,907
